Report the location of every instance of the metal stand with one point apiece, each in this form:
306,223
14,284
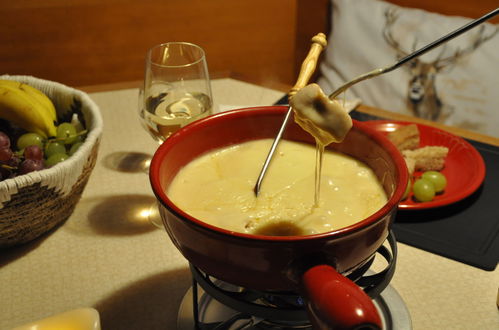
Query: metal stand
279,310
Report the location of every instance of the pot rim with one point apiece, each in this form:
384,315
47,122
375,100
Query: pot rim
154,172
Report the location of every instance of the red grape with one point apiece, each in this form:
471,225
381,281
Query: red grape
30,165
13,162
5,154
4,140
33,152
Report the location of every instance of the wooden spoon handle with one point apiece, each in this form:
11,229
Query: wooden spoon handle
308,65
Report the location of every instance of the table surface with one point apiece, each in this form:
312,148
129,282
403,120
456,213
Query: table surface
108,256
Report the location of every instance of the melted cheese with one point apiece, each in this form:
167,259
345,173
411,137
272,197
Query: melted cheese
217,188
326,120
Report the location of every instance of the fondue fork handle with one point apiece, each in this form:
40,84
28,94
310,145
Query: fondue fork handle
308,66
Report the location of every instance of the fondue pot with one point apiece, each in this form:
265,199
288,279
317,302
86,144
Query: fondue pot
314,266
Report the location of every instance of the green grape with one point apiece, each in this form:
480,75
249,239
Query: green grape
54,148
407,189
438,179
74,148
67,132
423,190
79,138
55,158
29,139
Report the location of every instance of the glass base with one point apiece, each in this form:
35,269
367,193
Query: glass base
154,216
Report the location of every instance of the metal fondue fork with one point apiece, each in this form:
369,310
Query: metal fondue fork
308,66
365,76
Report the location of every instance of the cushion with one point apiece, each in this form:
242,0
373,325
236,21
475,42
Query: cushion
455,84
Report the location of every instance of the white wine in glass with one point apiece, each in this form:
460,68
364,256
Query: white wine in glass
176,92
176,88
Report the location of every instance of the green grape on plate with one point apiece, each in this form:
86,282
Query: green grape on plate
423,190
438,179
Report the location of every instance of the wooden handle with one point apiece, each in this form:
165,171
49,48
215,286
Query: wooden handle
308,66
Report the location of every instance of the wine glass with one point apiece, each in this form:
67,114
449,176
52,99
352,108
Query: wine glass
176,92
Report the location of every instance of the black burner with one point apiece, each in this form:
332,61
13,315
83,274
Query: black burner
278,310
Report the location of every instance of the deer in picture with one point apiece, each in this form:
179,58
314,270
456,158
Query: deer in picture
422,98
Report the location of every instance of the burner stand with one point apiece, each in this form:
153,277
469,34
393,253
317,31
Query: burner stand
214,304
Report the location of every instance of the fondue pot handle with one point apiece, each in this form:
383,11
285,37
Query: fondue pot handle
335,302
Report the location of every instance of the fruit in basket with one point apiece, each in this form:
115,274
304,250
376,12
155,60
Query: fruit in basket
5,154
67,133
4,140
54,147
33,204
74,148
27,107
30,165
31,140
56,158
35,152
35,93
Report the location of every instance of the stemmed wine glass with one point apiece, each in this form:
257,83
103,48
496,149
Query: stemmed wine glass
176,92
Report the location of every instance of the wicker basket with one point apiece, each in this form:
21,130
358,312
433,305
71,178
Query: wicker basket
34,203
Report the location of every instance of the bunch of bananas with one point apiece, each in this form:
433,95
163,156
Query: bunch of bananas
27,107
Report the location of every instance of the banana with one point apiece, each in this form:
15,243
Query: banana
37,94
19,107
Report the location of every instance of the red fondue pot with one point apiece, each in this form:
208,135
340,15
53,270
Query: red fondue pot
312,265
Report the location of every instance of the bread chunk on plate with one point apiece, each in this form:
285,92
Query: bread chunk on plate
405,137
429,158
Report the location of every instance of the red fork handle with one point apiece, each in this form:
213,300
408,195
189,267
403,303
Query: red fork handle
335,302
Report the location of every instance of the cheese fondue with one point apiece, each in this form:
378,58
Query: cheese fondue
326,120
217,188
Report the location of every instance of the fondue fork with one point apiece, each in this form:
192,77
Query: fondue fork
308,66
362,77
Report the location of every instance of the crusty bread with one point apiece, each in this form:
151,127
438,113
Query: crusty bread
405,137
429,158
326,120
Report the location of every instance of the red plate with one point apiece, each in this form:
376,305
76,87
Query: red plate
464,166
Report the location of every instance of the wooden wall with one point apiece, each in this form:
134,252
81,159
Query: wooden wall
86,42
